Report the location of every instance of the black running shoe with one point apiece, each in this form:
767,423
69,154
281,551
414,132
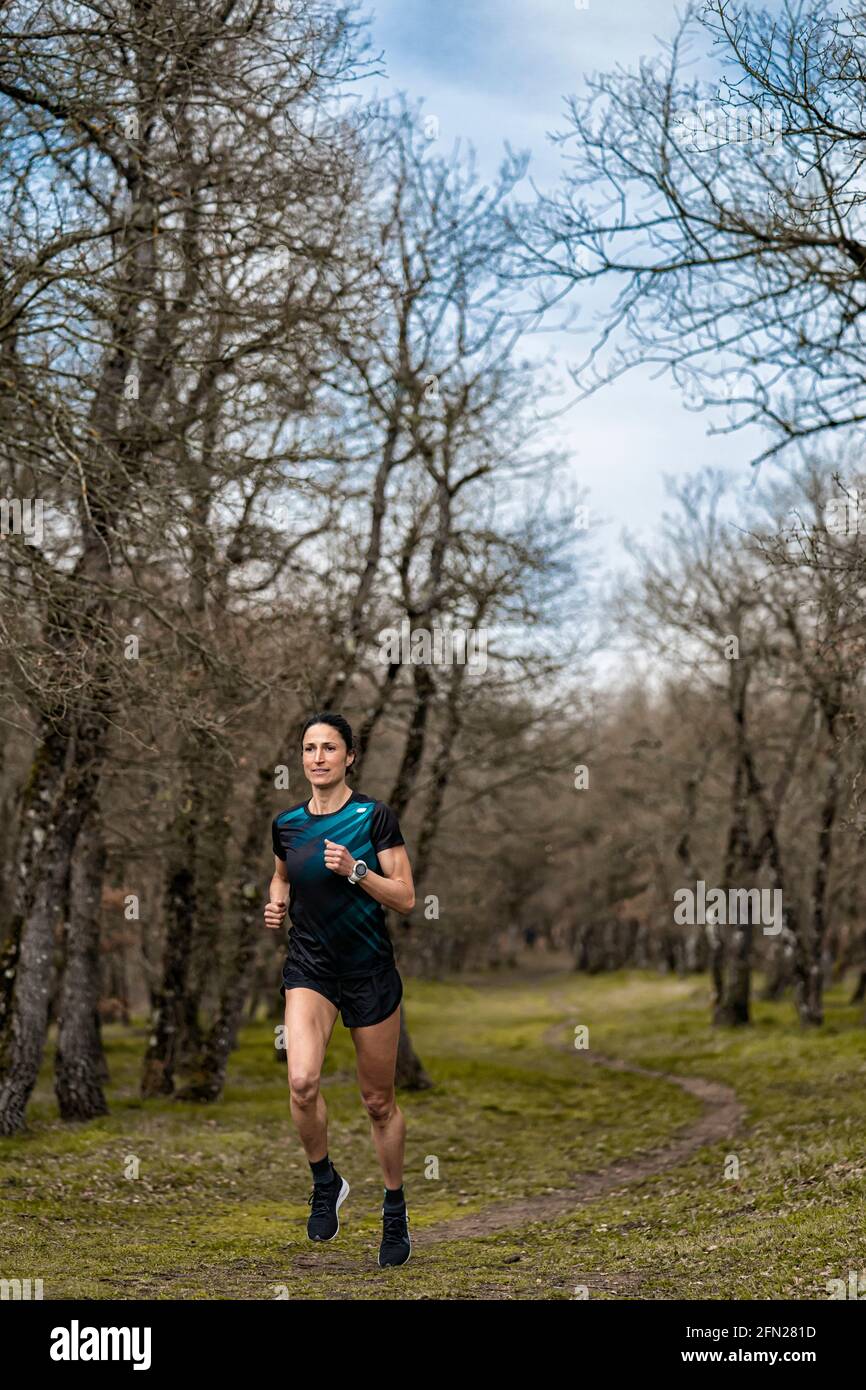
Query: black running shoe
396,1246
325,1200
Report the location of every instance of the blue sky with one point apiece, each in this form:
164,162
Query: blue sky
496,71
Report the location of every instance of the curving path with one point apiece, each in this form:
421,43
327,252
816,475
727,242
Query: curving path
722,1118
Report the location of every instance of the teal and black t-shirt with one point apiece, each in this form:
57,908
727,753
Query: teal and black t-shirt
337,928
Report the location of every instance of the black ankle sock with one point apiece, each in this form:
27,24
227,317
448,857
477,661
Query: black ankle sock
323,1170
394,1197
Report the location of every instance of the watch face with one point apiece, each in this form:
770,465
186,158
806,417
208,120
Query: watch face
360,869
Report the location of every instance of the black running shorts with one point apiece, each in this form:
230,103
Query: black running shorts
362,1001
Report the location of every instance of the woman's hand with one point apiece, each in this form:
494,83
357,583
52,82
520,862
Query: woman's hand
338,858
274,914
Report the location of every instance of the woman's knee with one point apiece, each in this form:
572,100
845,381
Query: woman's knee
380,1105
304,1087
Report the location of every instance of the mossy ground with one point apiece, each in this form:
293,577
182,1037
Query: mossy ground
218,1207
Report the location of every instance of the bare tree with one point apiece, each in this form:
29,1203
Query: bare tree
731,215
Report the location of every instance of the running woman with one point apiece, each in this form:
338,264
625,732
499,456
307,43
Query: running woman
339,860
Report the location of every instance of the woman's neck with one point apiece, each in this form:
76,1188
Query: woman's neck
330,799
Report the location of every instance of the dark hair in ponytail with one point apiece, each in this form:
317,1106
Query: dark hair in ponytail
336,721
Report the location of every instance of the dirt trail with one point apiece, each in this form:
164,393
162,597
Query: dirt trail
722,1117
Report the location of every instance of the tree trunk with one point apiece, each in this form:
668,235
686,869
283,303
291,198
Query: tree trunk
212,840
167,1028
809,982
35,802
31,998
208,1082
736,1004
731,967
79,1062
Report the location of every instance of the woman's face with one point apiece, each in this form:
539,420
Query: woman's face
325,756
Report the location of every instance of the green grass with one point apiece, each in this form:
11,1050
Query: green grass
170,1200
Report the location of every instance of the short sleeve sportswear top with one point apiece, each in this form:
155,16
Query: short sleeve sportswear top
336,929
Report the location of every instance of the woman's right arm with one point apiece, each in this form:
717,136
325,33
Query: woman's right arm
279,895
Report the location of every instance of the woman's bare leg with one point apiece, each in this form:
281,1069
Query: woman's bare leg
310,1019
376,1053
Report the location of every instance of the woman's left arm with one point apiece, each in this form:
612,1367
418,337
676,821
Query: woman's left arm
394,887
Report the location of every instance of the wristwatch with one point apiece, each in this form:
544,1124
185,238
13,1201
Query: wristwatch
359,868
